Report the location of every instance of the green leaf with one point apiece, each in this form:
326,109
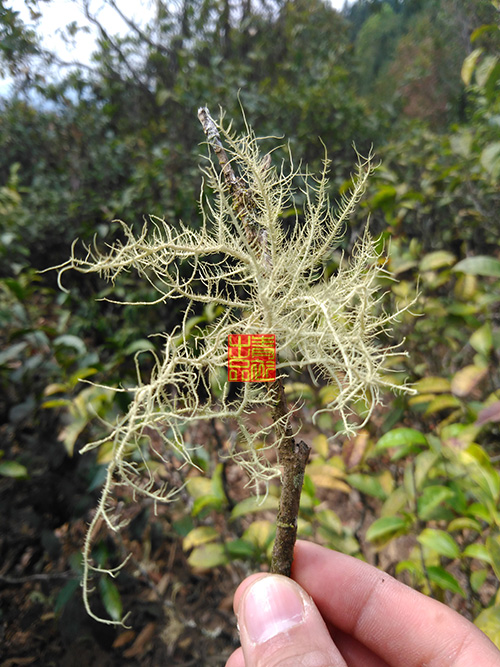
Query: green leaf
440,542
56,403
400,437
253,505
199,486
477,579
12,352
490,158
68,340
70,433
162,96
240,548
432,497
16,288
401,265
13,469
299,391
493,546
259,533
444,580
481,471
142,345
110,598
320,445
436,260
464,523
385,194
478,551
443,402
424,463
458,436
469,65
218,483
346,544
432,385
481,511
409,566
489,622
481,265
79,375
461,143
486,28
206,502
367,484
199,536
386,528
183,525
208,556
65,594
486,71
330,520
98,479
482,339
395,503
308,488
76,563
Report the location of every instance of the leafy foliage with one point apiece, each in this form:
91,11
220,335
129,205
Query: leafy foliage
117,140
266,281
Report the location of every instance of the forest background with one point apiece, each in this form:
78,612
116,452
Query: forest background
417,490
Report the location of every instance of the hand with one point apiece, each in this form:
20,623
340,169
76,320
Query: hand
351,615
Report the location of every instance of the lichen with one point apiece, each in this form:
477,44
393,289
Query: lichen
329,325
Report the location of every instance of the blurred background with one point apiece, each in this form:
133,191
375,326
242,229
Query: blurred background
98,122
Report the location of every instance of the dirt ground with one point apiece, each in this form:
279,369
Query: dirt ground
178,616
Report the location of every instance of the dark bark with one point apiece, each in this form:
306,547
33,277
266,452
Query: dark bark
293,457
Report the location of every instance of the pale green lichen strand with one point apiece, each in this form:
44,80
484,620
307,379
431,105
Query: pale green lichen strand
328,325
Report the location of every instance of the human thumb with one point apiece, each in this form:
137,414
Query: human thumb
280,625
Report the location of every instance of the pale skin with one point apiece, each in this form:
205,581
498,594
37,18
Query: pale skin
341,612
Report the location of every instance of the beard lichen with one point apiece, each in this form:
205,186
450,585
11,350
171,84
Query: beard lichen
327,325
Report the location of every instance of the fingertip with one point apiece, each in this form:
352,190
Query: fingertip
245,584
236,659
279,624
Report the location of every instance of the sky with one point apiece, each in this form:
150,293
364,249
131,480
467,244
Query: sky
57,14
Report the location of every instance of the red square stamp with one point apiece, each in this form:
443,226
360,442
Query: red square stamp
251,358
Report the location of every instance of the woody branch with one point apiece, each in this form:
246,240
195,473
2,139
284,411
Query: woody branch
292,455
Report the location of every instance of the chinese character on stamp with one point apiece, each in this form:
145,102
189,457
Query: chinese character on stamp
251,358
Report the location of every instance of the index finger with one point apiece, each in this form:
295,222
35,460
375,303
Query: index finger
394,621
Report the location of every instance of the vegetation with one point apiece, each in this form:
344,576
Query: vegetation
417,489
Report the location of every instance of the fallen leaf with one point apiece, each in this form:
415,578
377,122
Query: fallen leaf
354,449
124,638
466,379
489,414
143,638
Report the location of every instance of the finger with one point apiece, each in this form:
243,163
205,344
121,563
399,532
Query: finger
242,588
280,626
354,653
391,619
236,659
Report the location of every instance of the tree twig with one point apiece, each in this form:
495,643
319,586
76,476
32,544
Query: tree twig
292,456
43,576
